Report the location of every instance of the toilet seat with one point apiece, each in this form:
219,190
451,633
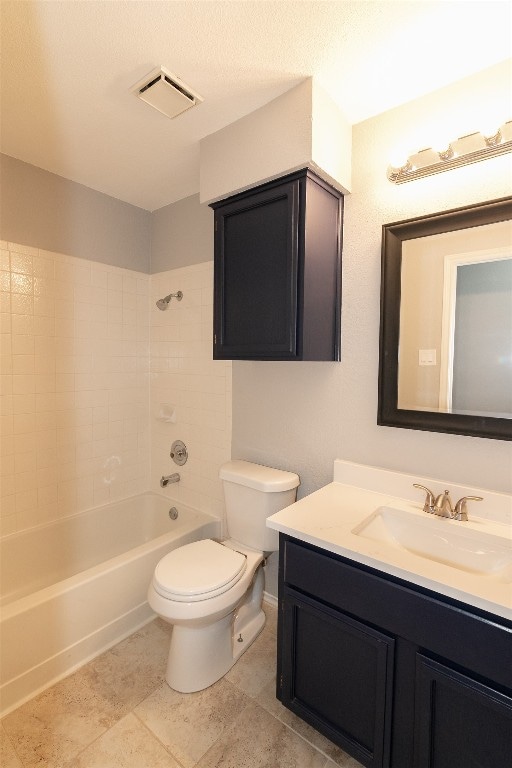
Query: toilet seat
198,571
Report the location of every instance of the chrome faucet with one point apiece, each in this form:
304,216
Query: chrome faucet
166,479
442,506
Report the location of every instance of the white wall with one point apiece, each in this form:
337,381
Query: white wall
302,127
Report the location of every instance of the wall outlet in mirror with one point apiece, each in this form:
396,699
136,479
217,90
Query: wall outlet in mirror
427,357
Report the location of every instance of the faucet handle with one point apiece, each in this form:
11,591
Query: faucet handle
461,507
428,505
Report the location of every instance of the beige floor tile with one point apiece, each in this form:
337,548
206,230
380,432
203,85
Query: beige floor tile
56,725
189,723
258,740
8,757
134,668
348,762
128,744
257,666
267,699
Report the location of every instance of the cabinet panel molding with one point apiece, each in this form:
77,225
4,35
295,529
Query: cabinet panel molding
338,675
277,271
395,674
462,721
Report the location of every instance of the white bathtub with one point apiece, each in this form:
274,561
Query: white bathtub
73,588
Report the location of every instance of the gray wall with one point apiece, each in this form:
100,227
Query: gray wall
46,211
181,235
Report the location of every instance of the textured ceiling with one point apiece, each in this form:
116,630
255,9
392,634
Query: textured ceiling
67,70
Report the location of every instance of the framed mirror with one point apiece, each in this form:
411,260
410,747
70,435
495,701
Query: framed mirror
445,362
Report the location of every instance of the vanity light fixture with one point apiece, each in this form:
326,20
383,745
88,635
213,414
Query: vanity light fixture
462,151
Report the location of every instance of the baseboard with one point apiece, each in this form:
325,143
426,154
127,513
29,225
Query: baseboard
270,599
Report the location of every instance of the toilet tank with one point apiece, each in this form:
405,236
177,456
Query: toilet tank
252,493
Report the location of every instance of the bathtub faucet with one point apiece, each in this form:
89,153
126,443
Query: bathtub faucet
166,479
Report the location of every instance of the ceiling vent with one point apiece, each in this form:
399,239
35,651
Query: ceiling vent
166,92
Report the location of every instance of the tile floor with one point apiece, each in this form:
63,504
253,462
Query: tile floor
118,712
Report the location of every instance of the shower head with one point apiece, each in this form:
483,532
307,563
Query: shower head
164,303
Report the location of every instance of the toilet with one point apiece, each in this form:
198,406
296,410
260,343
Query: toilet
211,591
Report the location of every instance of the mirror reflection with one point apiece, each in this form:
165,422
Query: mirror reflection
455,335
445,357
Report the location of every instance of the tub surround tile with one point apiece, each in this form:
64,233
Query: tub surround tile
258,740
189,724
63,344
128,744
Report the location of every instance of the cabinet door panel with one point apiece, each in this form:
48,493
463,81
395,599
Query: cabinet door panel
460,721
338,676
256,275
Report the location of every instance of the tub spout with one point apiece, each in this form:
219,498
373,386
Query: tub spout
166,479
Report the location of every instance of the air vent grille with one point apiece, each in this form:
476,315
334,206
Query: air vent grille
167,93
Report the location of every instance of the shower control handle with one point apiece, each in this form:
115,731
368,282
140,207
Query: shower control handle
179,453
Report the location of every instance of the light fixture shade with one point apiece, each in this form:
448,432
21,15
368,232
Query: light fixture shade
461,151
167,93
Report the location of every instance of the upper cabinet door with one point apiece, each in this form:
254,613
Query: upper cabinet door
277,272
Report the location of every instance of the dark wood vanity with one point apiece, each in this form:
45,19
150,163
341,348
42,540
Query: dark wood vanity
397,675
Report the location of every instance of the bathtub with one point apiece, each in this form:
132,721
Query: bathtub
75,587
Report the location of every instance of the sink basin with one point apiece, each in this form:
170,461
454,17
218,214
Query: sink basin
440,540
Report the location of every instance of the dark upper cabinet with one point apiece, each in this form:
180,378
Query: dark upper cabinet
277,278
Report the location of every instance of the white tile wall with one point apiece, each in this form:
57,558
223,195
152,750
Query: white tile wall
74,393
87,360
197,388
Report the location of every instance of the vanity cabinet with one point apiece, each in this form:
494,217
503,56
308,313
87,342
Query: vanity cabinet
277,283
397,675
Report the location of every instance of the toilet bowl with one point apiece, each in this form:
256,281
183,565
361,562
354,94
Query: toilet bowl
210,591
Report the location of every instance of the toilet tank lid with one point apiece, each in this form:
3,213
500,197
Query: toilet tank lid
258,477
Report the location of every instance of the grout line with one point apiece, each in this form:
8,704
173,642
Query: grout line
151,733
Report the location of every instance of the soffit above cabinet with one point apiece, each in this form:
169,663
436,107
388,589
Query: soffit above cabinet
302,128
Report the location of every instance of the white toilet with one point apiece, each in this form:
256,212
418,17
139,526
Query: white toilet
212,592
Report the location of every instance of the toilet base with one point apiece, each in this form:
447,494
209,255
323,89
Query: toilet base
201,655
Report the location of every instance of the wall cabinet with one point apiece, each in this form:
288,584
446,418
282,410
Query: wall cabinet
398,676
277,292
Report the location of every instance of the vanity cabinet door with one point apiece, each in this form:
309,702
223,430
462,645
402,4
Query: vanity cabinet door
337,674
460,721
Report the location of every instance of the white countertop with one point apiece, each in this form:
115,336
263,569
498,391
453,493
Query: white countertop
328,517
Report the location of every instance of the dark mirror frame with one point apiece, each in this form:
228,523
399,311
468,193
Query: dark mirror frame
393,236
